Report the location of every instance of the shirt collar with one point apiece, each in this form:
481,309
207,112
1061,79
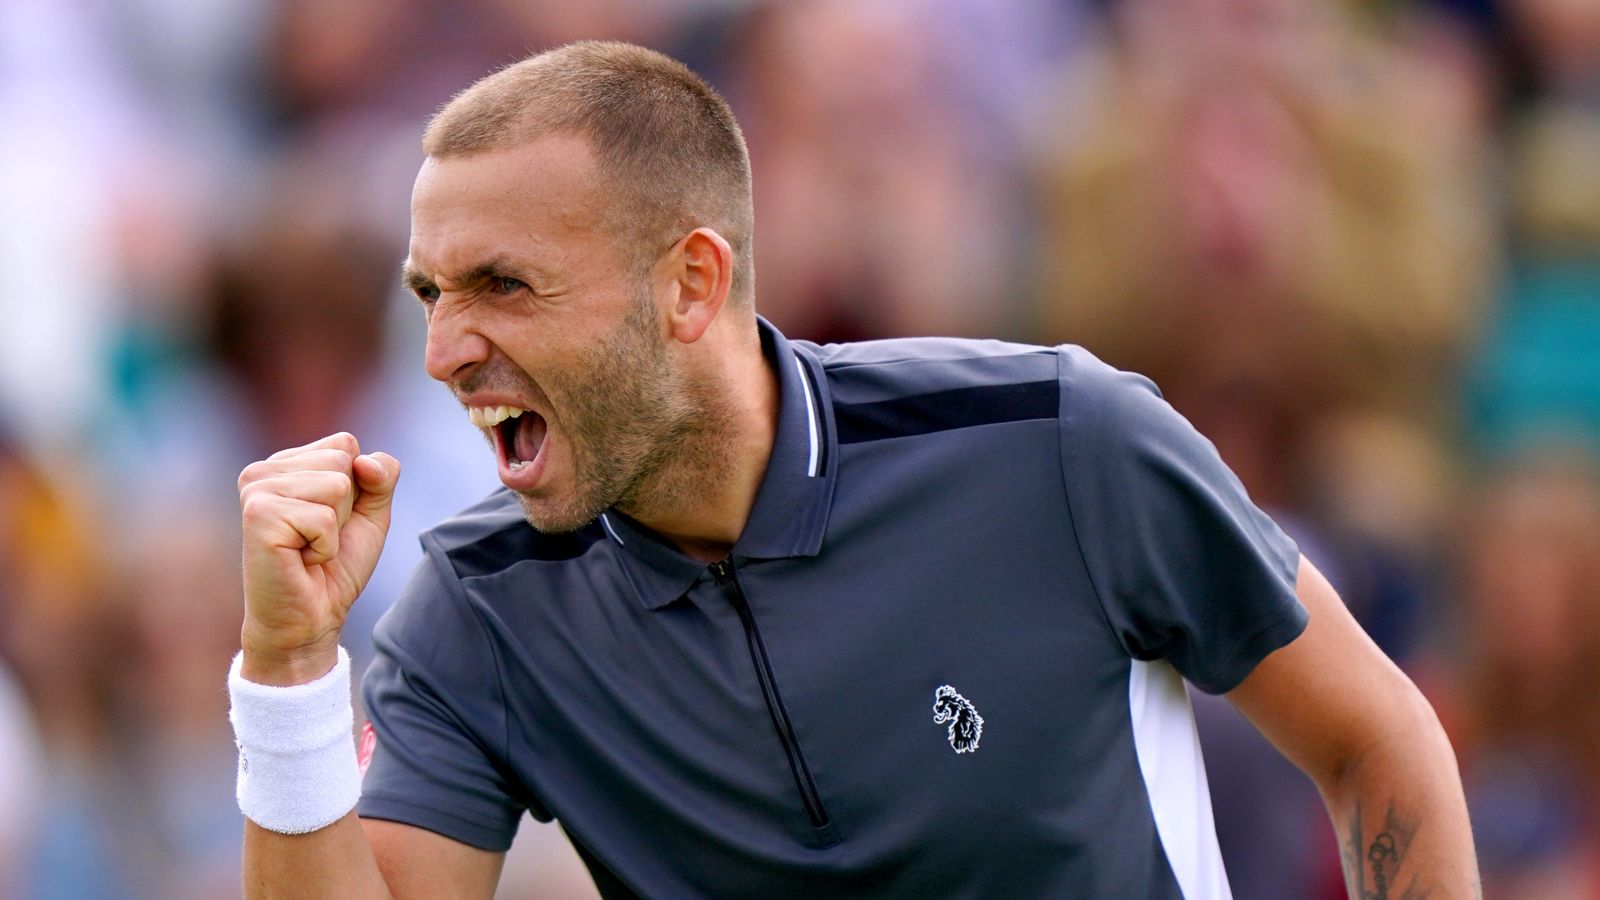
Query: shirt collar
790,513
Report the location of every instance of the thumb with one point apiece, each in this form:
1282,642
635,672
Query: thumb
376,475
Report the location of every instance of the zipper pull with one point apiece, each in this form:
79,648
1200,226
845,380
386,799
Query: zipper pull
722,571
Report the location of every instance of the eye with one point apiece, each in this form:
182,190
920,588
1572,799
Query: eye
505,285
427,293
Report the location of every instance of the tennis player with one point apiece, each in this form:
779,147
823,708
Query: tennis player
754,617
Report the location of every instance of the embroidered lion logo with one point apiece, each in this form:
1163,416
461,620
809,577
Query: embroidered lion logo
966,726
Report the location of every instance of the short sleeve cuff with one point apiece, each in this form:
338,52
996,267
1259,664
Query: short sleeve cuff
1276,632
495,837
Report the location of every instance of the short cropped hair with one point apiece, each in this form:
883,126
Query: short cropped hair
665,142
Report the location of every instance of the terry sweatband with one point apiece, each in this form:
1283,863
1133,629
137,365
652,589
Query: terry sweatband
297,755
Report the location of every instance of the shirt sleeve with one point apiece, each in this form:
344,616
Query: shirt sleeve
1186,567
433,696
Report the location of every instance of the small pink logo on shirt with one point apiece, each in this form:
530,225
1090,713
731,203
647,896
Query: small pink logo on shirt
369,743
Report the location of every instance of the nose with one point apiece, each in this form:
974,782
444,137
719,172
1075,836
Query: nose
455,346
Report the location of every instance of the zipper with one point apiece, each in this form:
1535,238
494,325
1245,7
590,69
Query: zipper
728,580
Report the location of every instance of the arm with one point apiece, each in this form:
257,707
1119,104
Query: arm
1350,719
365,858
315,519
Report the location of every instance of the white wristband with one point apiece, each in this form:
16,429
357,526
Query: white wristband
297,755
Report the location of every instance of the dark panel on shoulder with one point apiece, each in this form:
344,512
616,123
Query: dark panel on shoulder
496,512
945,410
500,550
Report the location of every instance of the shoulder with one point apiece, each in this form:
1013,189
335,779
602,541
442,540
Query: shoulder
980,382
461,557
919,387
491,535
1100,400
878,370
863,370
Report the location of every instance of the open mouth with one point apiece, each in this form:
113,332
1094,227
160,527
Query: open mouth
518,433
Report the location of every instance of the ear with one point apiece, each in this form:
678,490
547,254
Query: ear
701,267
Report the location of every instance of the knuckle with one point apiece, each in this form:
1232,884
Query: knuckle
312,460
333,459
340,442
250,474
255,508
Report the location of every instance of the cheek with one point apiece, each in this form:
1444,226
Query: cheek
536,352
540,339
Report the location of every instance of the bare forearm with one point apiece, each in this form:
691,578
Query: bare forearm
332,862
1349,718
1402,822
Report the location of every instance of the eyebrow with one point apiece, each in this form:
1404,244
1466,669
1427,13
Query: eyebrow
412,279
415,280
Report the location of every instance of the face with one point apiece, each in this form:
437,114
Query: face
545,328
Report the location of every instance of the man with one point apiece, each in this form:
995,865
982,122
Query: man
762,618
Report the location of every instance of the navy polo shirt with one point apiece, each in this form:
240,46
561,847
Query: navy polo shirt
946,658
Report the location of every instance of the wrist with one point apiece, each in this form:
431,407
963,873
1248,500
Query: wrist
297,761
281,668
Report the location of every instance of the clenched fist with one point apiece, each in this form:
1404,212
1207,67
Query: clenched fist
314,522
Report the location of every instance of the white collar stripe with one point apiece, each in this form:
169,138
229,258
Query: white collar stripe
606,523
811,417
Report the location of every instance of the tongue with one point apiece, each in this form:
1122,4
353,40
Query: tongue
529,436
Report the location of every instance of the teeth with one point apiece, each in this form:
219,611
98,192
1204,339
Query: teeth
490,416
518,466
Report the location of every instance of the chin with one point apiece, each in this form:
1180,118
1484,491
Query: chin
556,515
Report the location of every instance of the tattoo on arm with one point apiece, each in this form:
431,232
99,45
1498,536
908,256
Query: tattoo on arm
1373,870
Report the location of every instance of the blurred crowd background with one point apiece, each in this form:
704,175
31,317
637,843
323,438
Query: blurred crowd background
1356,243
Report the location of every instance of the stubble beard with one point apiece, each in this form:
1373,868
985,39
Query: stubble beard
641,434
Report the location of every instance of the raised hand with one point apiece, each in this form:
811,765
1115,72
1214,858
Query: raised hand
315,518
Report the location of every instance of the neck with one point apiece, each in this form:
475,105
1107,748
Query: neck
700,500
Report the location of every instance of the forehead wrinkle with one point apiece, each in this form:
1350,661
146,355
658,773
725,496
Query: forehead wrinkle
547,192
493,266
